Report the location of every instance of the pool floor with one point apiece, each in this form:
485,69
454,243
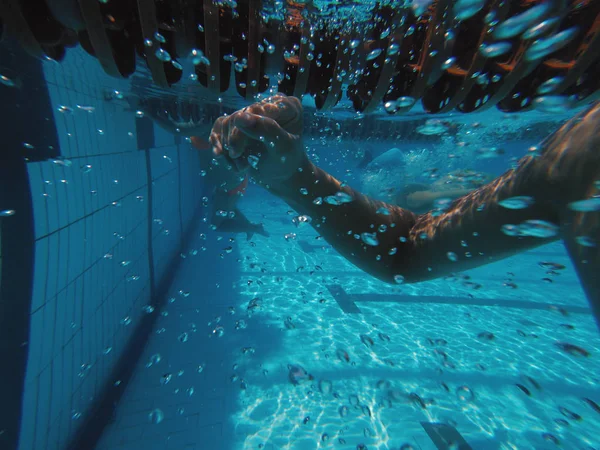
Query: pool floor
470,361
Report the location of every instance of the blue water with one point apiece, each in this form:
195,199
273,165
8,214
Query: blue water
430,339
476,352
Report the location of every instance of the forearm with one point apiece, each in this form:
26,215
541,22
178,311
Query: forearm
470,232
343,225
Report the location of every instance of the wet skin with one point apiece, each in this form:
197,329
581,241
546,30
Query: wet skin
264,140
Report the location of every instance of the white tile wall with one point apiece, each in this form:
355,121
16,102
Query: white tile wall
89,250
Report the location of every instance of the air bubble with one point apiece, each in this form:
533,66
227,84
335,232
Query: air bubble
162,55
156,416
374,54
589,205
465,394
520,202
370,239
554,103
4,80
496,49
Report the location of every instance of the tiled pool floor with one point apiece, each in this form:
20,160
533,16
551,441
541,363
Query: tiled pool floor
477,354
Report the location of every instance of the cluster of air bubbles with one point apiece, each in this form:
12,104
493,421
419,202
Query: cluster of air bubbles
84,369
518,24
302,220
338,199
543,47
393,106
64,109
370,239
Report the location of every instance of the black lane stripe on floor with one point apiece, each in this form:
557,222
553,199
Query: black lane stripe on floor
445,437
307,247
347,302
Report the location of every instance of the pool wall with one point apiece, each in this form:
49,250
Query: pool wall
106,241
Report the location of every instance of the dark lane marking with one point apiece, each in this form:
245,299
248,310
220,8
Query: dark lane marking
445,437
347,302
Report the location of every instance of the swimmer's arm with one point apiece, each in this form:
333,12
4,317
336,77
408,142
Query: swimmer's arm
415,247
470,232
339,224
409,247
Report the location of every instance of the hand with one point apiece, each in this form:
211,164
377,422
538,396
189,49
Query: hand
262,139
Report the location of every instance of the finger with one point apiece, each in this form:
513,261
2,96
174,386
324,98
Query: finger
263,129
282,112
200,143
216,134
227,141
287,111
215,142
222,156
279,107
237,142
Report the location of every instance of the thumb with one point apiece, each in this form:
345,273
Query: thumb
261,128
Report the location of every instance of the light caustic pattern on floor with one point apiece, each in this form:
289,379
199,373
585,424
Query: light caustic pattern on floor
303,351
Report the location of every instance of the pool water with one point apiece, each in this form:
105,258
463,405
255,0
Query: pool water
476,352
279,342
